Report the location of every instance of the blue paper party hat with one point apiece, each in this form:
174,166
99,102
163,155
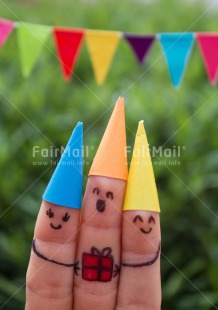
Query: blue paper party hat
65,186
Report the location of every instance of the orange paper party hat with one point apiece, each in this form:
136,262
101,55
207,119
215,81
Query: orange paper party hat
110,159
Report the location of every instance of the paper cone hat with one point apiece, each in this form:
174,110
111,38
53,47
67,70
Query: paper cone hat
110,159
65,185
141,191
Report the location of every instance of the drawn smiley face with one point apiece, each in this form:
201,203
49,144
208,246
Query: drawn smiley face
101,201
50,214
144,230
147,243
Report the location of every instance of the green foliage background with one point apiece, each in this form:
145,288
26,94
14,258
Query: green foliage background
43,109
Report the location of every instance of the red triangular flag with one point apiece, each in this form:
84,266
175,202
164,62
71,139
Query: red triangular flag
68,43
6,27
208,44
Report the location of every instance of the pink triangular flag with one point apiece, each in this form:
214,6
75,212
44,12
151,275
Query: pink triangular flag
208,44
6,27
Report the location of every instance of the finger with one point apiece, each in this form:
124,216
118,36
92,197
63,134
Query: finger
52,261
99,244
140,283
100,232
50,271
140,273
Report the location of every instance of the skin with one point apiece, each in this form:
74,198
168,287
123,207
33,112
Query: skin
53,286
103,230
140,286
49,286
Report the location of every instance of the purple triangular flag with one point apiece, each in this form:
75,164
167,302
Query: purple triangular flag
140,45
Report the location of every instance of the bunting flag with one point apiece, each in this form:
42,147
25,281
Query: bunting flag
68,43
140,45
177,50
208,44
101,46
6,27
31,39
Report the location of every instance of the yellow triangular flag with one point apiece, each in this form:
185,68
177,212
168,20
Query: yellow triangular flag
101,46
141,191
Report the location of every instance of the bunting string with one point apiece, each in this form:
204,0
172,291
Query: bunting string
102,46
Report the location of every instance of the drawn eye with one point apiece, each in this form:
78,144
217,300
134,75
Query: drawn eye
138,217
50,213
96,190
110,195
151,219
66,217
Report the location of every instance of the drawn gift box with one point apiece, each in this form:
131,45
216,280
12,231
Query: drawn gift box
97,265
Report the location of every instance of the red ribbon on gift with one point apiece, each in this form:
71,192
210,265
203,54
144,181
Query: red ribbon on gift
106,252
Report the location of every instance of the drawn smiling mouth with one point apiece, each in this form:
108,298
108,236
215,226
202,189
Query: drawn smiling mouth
55,227
148,263
145,231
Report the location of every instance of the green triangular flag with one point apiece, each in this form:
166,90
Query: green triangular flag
31,39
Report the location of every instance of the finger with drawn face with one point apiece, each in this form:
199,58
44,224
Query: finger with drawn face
140,284
98,250
52,261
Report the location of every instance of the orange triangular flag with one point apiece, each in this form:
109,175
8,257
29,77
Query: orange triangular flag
110,159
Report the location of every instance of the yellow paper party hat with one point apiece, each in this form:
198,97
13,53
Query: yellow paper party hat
141,192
